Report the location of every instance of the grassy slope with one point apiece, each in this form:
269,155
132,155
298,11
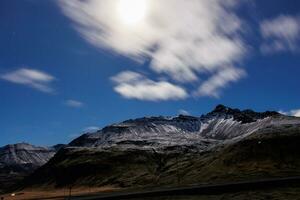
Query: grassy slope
269,153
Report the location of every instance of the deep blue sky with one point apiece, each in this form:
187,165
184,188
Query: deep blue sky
37,35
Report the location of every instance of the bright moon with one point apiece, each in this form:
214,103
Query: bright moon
131,12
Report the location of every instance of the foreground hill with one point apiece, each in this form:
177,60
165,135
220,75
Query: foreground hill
224,145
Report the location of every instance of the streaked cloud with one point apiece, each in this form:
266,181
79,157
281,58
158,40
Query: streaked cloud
204,39
280,34
212,87
32,78
132,85
183,112
73,103
295,112
90,129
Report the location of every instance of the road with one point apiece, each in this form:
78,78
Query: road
199,190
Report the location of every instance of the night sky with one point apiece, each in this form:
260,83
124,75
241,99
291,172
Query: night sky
68,66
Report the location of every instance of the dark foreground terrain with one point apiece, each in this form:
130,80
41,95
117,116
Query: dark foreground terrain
278,194
278,188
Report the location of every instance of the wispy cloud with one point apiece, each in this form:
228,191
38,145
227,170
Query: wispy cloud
295,112
90,129
280,34
30,77
183,112
212,87
73,103
133,85
202,40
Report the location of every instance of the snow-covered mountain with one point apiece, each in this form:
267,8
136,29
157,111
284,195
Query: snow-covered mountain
19,160
24,157
221,125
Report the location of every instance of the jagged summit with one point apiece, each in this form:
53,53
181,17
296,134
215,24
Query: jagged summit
244,116
223,109
223,123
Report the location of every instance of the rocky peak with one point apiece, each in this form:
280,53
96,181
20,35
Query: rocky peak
245,116
221,109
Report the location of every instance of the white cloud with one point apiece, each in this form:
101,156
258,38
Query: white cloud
281,34
33,78
133,85
295,112
74,103
212,86
283,112
203,39
91,129
183,112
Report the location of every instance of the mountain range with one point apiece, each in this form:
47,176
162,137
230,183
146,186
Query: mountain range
225,144
222,124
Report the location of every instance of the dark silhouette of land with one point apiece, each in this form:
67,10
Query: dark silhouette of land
202,190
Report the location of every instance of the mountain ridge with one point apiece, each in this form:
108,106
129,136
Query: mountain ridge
219,124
